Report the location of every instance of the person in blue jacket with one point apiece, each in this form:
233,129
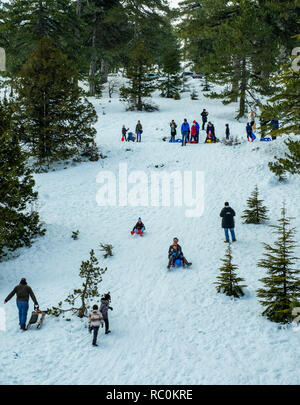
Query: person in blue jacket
185,131
249,132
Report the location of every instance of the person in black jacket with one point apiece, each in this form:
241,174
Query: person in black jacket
124,132
227,215
22,291
204,115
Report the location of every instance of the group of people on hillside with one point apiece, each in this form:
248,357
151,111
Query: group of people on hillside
133,137
99,316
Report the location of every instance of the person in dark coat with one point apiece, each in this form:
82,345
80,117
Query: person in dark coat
23,292
105,301
227,214
175,253
173,127
227,132
249,131
204,115
275,126
138,131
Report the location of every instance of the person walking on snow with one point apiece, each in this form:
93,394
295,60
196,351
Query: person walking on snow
173,127
175,253
23,292
95,320
138,131
227,132
105,301
138,228
124,131
185,132
204,115
227,214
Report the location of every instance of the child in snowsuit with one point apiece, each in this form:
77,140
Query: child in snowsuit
173,127
175,253
95,320
138,228
104,310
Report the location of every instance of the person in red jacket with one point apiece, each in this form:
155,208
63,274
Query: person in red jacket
193,132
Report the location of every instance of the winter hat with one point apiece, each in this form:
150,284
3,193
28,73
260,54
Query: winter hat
194,122
23,281
139,219
95,307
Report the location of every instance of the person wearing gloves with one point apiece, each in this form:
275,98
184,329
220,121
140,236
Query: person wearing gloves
23,292
95,320
138,228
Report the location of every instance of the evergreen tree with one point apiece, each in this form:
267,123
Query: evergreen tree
289,163
91,275
140,85
256,212
171,83
282,283
53,117
228,281
19,221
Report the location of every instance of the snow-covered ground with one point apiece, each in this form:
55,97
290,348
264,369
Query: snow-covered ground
167,327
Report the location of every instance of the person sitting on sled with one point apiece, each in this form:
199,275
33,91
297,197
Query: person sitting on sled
139,228
175,253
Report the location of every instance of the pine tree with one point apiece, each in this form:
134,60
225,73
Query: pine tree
171,83
53,117
228,281
19,221
256,212
140,85
91,275
282,283
289,163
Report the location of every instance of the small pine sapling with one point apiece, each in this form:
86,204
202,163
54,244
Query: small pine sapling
107,249
228,281
75,235
256,212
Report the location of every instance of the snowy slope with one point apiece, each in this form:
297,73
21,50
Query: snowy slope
167,327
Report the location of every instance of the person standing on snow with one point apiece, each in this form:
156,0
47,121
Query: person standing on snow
173,127
275,126
185,131
175,253
124,131
138,131
193,132
227,214
249,132
210,130
23,292
197,130
204,115
138,228
227,132
95,320
105,301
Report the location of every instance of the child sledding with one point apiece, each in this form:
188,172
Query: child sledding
176,257
139,228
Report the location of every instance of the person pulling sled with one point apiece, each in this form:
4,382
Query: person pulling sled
176,254
139,228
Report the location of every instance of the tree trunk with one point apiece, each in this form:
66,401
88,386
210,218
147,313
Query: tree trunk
243,88
93,66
